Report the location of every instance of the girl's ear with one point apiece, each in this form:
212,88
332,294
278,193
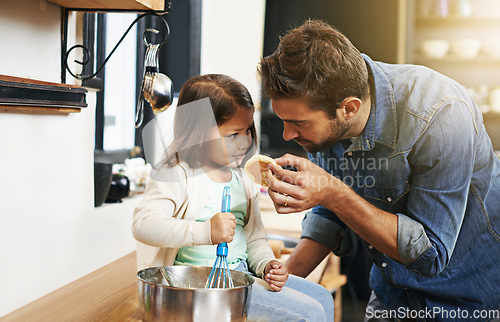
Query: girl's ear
350,107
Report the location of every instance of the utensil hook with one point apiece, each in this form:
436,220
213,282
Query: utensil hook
86,51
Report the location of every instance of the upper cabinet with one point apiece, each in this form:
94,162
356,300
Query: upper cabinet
157,5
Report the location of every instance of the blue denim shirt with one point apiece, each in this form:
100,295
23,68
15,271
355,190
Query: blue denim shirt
425,156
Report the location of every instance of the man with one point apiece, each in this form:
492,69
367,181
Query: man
399,156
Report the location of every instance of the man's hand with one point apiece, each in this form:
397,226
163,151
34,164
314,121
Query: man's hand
311,186
222,227
276,275
301,190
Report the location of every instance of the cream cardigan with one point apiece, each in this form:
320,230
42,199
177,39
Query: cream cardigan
164,221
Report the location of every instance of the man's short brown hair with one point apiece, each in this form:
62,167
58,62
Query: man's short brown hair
315,63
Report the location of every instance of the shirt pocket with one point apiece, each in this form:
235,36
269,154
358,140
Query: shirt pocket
388,197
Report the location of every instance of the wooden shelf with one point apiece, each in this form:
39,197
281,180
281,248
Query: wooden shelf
453,59
33,96
491,116
457,20
141,5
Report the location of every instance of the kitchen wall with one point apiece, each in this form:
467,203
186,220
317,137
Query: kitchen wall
50,232
232,40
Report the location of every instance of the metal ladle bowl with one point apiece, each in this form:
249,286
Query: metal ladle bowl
158,90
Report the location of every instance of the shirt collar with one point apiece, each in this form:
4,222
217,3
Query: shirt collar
381,126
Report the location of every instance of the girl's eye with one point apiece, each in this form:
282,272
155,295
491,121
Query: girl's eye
235,135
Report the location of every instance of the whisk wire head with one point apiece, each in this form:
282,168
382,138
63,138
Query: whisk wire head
220,275
229,278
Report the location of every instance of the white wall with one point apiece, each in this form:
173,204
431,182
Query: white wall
50,233
232,40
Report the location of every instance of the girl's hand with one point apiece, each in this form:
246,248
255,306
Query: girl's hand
276,274
222,227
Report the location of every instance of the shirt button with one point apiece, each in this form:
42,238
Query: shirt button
384,265
370,246
389,199
349,153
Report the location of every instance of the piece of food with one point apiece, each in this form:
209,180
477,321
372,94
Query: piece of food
256,168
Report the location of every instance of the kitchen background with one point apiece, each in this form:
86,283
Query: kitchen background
51,233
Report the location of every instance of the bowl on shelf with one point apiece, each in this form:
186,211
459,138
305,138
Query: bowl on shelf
491,48
466,48
434,48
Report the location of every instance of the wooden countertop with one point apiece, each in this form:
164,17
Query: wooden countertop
107,294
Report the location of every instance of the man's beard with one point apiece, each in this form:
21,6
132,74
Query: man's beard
334,137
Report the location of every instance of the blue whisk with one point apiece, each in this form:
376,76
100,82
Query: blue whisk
220,275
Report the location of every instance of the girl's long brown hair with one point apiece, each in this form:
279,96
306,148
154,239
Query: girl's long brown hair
192,124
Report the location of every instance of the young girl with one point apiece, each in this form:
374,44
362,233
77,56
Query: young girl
179,220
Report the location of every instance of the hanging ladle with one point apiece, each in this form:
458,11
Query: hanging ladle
156,87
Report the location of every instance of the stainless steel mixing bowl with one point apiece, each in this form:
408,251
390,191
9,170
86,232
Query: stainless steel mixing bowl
187,299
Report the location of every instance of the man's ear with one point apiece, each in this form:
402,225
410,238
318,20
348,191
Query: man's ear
350,107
